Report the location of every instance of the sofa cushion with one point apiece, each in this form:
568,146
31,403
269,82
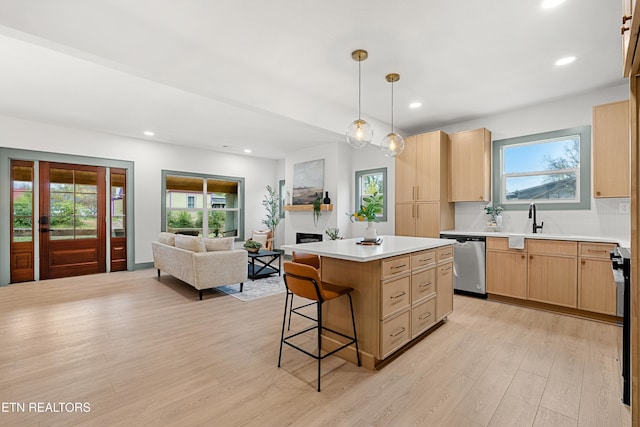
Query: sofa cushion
259,237
167,238
190,243
218,244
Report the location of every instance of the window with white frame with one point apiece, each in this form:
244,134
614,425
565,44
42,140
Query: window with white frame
550,169
371,181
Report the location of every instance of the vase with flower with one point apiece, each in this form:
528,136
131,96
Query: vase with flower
371,207
495,216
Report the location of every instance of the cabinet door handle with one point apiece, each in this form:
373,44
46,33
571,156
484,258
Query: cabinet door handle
623,29
583,262
413,211
424,285
398,295
398,332
424,316
626,18
417,192
522,256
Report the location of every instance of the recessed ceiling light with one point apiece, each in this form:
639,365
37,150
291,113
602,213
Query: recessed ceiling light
564,61
549,4
246,150
415,104
148,133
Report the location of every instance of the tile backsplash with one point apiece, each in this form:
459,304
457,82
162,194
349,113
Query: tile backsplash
609,218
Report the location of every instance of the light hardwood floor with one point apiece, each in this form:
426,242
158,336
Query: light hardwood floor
143,351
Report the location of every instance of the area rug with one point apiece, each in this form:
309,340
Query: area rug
254,289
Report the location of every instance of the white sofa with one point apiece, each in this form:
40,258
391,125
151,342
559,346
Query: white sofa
202,263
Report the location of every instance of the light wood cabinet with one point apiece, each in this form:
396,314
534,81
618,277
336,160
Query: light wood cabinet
506,269
552,274
596,287
444,293
470,166
630,28
422,207
611,150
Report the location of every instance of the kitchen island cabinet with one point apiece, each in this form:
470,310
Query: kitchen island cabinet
402,288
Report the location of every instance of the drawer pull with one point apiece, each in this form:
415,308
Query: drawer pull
395,267
398,332
445,268
398,295
598,251
424,285
423,317
426,259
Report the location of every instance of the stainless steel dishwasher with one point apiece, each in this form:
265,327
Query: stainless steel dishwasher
468,265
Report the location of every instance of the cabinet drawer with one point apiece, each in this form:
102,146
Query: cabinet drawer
422,259
395,333
445,252
595,250
396,265
502,244
423,316
552,247
395,296
423,284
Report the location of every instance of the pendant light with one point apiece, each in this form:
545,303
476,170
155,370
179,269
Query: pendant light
392,144
359,133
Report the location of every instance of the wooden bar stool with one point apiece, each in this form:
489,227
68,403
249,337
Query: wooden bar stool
304,281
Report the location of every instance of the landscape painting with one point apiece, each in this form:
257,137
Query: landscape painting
308,181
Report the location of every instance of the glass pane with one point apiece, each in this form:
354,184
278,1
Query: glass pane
22,228
118,222
86,182
86,227
62,227
61,205
184,222
61,180
541,187
86,205
556,154
184,183
22,203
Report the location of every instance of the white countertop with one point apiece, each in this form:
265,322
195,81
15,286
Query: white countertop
349,249
538,236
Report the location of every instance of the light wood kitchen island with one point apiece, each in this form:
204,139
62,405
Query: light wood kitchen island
402,288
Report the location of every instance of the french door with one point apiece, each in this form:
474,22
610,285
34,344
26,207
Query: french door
72,221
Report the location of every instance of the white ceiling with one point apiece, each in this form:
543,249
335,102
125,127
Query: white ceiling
276,76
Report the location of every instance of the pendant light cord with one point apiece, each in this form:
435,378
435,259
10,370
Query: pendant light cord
391,107
359,88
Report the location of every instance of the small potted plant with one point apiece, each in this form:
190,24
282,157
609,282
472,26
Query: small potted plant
333,233
494,212
252,246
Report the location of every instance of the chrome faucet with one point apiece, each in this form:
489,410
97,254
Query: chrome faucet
532,210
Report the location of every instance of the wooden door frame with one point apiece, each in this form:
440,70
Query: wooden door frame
8,154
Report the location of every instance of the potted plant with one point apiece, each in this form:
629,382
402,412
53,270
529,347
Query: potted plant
316,209
372,206
494,212
252,246
270,203
333,233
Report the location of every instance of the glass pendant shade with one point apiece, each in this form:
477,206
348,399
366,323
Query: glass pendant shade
359,134
392,144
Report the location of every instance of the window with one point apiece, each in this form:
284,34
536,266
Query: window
368,182
190,198
551,169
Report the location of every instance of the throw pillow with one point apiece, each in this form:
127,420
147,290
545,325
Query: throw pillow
167,238
190,243
262,238
218,244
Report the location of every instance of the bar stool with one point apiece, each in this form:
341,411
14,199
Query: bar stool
308,259
304,281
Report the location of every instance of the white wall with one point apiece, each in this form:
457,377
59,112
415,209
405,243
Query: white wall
604,219
150,158
341,164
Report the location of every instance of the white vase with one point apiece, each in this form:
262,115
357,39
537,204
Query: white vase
370,231
499,220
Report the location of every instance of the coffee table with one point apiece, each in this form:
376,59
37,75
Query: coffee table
261,264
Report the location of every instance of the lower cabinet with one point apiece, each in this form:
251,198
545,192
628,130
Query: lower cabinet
553,274
395,333
596,287
444,293
558,272
506,272
423,316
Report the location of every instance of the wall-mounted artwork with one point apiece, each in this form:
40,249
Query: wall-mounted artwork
308,181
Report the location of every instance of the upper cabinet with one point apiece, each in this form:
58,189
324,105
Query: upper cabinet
611,150
422,207
470,166
629,30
